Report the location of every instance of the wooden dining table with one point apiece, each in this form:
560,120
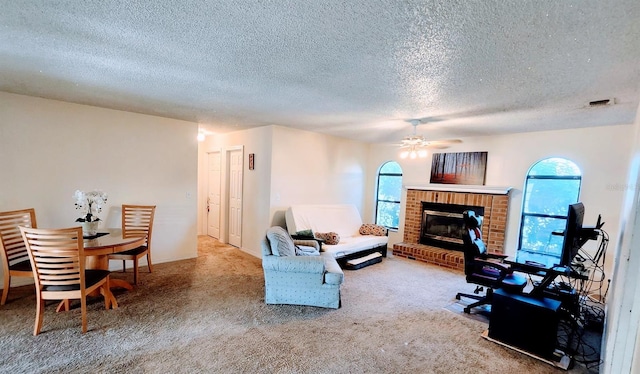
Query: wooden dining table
97,251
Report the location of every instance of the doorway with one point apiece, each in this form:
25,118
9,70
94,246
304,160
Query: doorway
225,195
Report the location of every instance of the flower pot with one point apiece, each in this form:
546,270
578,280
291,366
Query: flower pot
89,228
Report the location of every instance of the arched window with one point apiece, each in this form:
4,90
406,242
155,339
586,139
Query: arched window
552,184
389,189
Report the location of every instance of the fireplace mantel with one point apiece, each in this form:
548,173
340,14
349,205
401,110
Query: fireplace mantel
492,190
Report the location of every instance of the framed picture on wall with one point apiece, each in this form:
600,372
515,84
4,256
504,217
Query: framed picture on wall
251,157
459,168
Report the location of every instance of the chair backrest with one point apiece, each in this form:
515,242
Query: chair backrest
11,243
57,258
472,239
280,242
137,221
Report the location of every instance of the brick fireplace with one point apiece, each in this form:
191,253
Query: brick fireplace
495,202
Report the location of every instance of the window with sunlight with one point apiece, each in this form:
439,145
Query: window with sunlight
389,189
552,184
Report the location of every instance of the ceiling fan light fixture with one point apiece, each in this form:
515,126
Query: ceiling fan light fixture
414,146
202,134
414,151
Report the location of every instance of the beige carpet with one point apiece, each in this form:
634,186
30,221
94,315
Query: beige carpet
208,315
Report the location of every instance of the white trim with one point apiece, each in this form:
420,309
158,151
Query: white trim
493,190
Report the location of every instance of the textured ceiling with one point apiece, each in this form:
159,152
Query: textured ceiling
355,69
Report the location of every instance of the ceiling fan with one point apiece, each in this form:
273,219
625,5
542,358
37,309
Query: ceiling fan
415,145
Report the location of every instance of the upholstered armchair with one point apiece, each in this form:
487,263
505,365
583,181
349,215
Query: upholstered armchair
295,272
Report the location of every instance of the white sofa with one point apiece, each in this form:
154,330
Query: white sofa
343,219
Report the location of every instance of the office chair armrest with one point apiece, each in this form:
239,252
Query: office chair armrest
496,256
502,269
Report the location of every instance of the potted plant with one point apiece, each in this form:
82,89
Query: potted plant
90,203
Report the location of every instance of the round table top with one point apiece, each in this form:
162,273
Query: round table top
112,243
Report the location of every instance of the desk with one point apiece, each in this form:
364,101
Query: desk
543,266
533,264
97,257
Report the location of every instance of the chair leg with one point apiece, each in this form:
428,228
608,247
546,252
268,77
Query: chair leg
149,262
64,306
481,300
135,270
468,308
5,290
39,316
83,311
106,293
474,297
124,269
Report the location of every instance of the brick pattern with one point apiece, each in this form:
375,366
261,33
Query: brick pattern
433,255
493,226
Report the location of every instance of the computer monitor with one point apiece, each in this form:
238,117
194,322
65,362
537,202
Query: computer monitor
572,234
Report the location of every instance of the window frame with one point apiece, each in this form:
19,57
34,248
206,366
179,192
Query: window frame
524,214
378,200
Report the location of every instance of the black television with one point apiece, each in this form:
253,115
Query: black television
572,234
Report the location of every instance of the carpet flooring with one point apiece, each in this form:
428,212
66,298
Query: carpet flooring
207,315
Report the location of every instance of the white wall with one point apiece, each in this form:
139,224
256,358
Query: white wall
621,340
312,168
291,167
600,152
49,149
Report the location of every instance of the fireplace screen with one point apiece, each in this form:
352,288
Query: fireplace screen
442,224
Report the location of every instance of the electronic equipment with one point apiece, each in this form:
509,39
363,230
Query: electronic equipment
572,234
527,323
576,235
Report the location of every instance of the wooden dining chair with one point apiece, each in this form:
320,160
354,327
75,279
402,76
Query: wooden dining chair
15,259
58,263
137,221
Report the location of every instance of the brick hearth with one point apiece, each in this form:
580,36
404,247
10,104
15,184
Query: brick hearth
493,226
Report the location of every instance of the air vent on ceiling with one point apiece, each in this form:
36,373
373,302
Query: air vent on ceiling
603,102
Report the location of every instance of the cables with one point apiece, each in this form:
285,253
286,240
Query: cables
595,287
582,321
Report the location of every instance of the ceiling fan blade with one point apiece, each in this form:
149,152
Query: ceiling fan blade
436,146
425,120
441,144
415,141
444,142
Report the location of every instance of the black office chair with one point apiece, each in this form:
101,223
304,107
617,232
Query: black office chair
484,269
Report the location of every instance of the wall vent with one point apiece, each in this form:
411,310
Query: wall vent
603,102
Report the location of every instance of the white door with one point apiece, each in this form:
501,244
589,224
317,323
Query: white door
213,196
235,197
